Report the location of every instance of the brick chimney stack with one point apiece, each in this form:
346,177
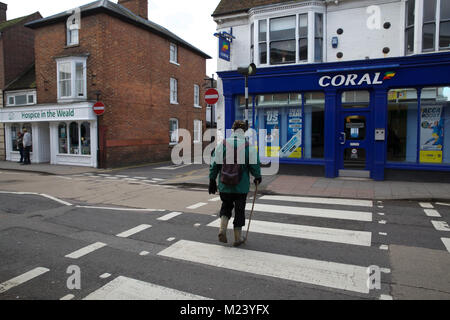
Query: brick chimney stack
139,7
3,8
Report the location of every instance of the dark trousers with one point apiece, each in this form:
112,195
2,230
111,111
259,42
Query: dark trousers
26,157
22,154
237,202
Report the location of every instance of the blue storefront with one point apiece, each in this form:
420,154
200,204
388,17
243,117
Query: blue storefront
366,116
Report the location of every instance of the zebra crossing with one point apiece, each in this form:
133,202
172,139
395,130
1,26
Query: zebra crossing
122,178
310,243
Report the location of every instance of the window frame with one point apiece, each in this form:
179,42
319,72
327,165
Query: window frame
69,138
266,44
72,61
173,91
70,32
171,132
200,129
14,94
173,52
197,96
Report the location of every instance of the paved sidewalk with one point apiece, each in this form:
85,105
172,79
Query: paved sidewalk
46,168
353,188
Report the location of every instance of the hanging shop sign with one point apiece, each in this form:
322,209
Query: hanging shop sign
431,134
293,148
355,80
225,40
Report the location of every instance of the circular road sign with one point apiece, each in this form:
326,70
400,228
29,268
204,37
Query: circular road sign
99,108
211,96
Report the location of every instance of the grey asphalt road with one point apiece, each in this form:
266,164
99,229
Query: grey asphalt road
141,255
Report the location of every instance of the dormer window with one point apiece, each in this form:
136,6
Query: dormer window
73,34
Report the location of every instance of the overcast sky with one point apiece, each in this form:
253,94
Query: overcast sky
190,20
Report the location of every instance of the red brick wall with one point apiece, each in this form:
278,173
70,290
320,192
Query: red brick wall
139,7
18,44
131,67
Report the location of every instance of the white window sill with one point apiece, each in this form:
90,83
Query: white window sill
198,107
71,99
74,155
175,63
175,103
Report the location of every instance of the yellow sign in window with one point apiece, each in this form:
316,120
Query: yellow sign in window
431,156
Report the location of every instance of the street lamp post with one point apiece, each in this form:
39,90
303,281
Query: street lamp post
247,71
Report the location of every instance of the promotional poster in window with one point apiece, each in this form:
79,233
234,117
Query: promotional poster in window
431,134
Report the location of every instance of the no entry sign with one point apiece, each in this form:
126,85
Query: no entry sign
211,96
99,108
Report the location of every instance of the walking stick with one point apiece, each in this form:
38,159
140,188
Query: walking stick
251,214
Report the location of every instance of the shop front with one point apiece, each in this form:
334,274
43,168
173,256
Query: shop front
359,117
61,134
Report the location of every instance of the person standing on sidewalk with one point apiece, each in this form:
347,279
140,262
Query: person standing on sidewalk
20,146
234,179
27,143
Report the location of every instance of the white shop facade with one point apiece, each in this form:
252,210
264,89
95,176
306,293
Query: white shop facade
62,134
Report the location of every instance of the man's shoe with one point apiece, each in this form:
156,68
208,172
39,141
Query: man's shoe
238,240
223,229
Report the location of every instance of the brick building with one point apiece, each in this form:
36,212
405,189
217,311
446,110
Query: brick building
16,54
149,79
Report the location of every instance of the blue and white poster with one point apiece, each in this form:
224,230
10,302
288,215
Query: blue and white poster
272,123
293,149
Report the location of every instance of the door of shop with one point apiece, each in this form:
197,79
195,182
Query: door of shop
354,140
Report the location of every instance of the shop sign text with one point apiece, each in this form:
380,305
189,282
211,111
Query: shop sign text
354,79
48,114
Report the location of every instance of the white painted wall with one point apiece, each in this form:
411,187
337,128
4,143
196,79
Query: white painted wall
360,40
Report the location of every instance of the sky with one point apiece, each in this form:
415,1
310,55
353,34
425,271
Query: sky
192,23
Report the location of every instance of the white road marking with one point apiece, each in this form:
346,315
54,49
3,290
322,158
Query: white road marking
123,288
144,253
140,178
359,238
384,247
432,213
170,239
197,205
197,225
321,273
173,167
214,199
443,204
382,222
385,270
169,216
56,199
386,297
446,242
149,181
426,205
381,214
105,275
14,282
158,179
68,297
86,250
133,231
344,202
104,175
65,178
120,176
121,209
313,212
382,233
441,225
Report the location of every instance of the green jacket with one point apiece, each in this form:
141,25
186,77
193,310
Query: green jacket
255,169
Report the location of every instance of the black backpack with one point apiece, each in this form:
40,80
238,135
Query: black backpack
231,173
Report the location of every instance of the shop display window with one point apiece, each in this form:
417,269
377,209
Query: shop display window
434,143
85,138
402,125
